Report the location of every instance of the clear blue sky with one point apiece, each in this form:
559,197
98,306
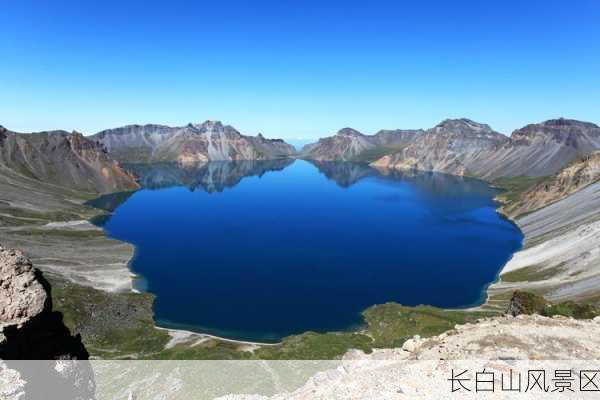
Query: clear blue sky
297,69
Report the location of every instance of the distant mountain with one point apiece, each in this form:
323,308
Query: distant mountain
453,146
465,147
543,149
66,159
350,145
209,141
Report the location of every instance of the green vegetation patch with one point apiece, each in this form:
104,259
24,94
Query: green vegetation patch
316,346
120,325
530,303
391,324
572,309
387,325
111,325
514,186
512,190
532,273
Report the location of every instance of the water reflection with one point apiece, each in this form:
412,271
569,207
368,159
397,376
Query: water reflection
211,177
346,174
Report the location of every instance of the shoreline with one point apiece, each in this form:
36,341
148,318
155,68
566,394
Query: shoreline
179,336
503,268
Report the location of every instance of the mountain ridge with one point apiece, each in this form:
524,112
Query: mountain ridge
200,142
348,144
464,147
65,159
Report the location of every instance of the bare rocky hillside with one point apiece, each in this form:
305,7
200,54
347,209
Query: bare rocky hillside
464,147
193,143
65,159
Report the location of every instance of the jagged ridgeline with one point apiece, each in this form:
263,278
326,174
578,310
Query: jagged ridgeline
69,160
350,145
94,164
465,147
209,141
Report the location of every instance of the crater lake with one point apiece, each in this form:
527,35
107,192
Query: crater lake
258,250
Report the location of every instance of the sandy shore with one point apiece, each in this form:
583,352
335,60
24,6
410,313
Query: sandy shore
181,336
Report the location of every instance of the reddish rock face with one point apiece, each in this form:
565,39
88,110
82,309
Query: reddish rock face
66,159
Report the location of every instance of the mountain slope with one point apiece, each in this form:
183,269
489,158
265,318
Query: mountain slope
465,147
209,141
456,146
543,149
65,159
350,145
576,176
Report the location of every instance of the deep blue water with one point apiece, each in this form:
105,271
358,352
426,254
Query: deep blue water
260,251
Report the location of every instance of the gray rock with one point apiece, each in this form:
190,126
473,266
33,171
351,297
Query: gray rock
22,296
350,145
465,147
193,143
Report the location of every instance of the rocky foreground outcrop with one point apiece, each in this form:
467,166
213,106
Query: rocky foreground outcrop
465,147
29,329
422,367
192,143
66,159
22,296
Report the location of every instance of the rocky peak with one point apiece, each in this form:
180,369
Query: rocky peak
563,122
78,142
209,126
134,129
463,126
348,132
561,130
